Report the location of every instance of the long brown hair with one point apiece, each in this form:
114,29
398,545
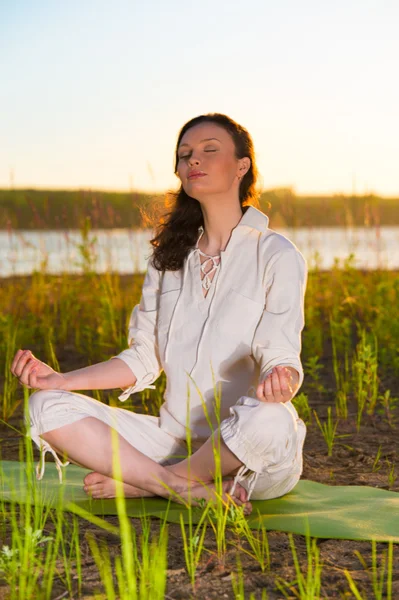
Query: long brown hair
178,229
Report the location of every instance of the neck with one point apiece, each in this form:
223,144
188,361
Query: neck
219,222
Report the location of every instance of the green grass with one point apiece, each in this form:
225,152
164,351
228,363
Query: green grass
350,339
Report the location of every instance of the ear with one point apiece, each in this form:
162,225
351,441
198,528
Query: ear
244,165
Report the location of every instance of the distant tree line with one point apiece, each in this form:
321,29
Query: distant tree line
57,209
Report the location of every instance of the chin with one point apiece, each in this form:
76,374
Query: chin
197,189
196,182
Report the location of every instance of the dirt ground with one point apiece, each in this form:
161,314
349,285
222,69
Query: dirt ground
351,464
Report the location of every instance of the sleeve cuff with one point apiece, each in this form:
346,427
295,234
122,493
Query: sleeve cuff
144,378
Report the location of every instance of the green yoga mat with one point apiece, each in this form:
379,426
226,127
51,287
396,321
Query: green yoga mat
342,512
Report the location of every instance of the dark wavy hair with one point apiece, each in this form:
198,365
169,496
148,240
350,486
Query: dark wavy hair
177,230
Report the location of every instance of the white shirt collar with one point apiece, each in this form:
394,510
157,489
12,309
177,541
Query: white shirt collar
252,218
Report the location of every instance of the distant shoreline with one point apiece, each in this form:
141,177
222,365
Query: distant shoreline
31,209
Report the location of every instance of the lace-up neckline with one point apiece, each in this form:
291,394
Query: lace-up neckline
207,281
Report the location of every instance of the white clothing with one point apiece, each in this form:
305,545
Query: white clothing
215,260
250,321
267,437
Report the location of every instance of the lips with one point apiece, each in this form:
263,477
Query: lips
195,173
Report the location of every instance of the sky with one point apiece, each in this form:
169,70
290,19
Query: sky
94,92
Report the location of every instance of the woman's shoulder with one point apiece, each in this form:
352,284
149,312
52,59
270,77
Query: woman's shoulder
275,243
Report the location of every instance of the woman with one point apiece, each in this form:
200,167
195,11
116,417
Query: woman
234,326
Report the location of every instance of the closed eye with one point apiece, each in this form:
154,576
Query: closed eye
186,155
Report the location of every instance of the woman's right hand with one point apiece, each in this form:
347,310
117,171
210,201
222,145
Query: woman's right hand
34,373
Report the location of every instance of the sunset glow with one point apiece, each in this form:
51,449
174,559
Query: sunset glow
94,94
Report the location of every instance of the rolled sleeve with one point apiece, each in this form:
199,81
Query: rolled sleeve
142,356
277,338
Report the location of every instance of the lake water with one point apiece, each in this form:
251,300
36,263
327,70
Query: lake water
126,250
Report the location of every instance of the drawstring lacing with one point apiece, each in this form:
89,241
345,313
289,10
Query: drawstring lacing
206,281
252,479
45,447
139,386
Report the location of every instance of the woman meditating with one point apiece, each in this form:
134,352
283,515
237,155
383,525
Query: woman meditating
222,308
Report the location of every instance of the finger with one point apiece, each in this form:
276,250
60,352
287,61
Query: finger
260,392
15,361
283,379
25,356
19,363
268,388
276,385
30,364
286,381
286,389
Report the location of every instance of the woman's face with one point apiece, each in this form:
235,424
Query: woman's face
199,150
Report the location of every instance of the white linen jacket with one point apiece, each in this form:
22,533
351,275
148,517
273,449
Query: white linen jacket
250,321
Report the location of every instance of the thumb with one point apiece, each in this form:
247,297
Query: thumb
260,392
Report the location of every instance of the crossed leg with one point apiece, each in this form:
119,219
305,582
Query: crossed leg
88,443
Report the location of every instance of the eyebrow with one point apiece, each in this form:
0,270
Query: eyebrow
205,140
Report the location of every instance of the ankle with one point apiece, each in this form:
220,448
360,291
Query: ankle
184,475
165,483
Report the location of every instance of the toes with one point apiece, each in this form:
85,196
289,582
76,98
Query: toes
95,491
240,499
247,508
240,493
99,489
243,494
89,488
244,504
92,478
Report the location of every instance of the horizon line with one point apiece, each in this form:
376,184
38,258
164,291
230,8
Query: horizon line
160,192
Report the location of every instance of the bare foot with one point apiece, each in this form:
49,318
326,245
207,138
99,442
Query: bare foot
101,486
208,491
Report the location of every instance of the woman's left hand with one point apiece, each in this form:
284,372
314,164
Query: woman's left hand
279,386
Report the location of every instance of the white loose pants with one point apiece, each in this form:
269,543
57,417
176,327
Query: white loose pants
267,437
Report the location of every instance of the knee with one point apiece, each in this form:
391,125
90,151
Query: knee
268,419
260,433
41,403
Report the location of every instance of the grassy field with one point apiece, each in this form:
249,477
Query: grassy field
49,209
348,401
